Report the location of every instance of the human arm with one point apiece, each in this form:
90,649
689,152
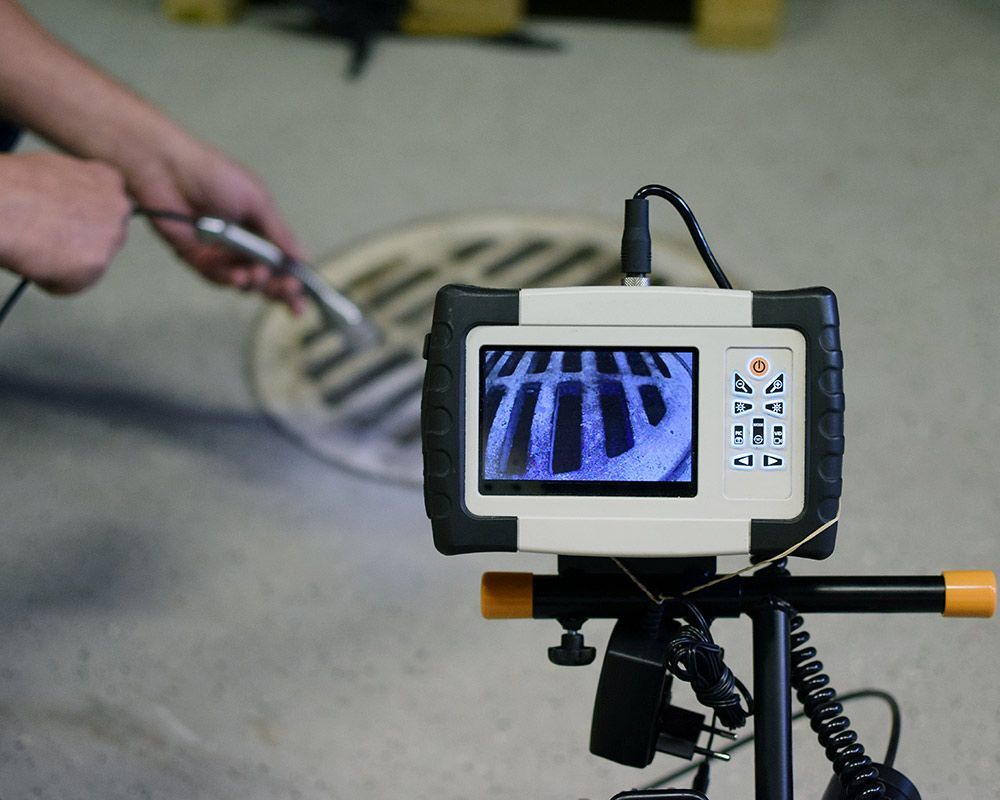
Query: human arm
59,95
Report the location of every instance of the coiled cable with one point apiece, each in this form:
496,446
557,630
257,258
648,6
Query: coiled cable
855,768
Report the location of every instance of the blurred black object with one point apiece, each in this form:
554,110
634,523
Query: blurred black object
361,22
358,22
678,11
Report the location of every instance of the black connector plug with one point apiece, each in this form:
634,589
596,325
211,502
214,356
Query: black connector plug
680,731
637,245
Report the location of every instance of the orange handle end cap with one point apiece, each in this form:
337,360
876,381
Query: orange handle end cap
970,593
507,595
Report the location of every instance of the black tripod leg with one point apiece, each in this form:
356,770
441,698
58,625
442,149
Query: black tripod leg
772,701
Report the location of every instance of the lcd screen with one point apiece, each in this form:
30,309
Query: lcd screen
588,421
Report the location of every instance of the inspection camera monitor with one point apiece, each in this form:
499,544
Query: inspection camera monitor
633,421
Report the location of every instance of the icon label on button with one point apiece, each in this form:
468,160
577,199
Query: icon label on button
773,462
777,386
740,385
778,436
739,435
758,432
743,462
775,408
758,366
741,407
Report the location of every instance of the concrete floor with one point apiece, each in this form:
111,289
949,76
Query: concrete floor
193,607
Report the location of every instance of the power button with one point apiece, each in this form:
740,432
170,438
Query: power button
758,366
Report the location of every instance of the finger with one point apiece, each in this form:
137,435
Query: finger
231,277
259,277
266,218
285,289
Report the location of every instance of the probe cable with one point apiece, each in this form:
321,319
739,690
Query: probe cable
636,251
12,298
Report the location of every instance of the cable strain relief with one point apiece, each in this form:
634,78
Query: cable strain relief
637,246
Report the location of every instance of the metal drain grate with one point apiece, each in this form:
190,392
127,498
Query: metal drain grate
362,410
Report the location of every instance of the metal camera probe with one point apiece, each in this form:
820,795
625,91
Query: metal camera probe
337,313
638,432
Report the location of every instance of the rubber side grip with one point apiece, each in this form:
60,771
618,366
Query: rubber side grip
813,312
457,309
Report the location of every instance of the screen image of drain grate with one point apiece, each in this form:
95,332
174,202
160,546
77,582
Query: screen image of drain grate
588,421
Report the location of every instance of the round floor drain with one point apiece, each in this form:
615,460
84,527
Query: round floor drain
361,410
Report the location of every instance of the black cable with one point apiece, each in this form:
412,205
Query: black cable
879,694
693,227
694,657
12,298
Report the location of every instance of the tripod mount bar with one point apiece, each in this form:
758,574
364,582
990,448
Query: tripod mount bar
522,595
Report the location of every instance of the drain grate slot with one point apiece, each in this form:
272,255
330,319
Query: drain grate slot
564,264
606,362
572,361
523,416
409,435
313,335
490,406
317,370
372,277
513,359
661,365
465,252
492,357
567,448
383,409
652,403
517,257
420,311
618,436
401,287
637,363
354,383
540,361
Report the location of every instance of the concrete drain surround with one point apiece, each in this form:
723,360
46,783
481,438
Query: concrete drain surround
362,410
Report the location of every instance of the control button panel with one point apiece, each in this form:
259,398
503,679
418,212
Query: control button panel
758,414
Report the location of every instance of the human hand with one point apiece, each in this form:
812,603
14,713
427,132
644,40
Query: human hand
62,219
198,180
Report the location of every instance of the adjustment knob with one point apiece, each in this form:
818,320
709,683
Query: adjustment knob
572,652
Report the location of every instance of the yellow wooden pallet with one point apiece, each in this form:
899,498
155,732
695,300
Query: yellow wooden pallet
738,23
